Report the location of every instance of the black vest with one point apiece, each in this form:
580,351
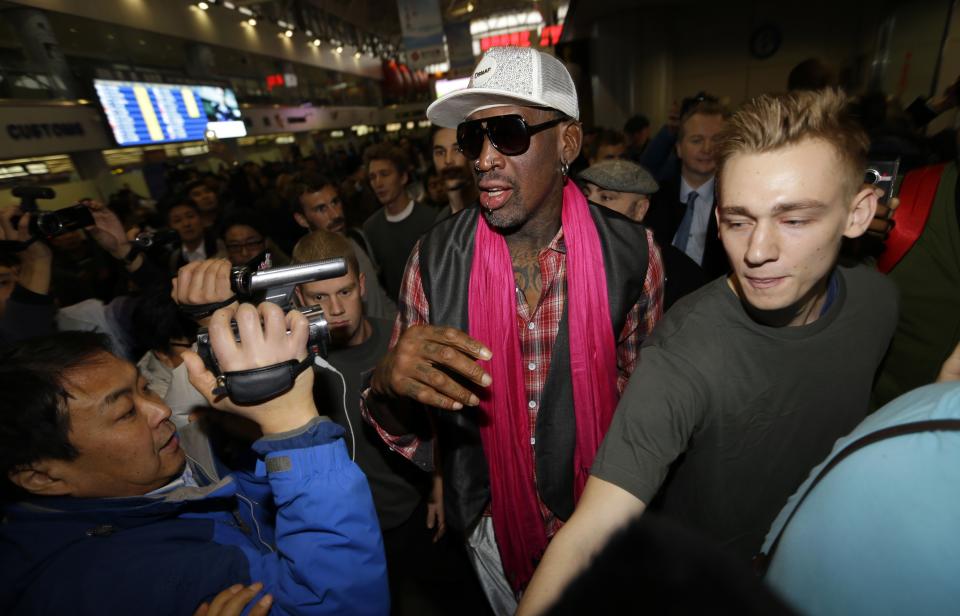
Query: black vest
446,256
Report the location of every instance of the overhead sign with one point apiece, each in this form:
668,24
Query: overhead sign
422,27
143,113
36,129
270,120
548,36
275,81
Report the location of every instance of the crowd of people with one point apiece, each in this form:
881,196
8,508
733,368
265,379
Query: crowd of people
565,368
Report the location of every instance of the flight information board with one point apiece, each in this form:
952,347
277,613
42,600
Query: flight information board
143,113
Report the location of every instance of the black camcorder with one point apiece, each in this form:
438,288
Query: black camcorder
883,175
50,224
274,285
147,240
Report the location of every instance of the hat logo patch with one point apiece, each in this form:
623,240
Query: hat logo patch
485,70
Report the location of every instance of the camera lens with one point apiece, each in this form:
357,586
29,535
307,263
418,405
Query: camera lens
49,224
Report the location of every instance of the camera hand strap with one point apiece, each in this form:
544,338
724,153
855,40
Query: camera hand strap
247,387
202,311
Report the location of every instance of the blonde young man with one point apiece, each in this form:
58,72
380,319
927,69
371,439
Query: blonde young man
754,376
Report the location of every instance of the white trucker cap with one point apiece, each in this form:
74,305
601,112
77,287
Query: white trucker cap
509,76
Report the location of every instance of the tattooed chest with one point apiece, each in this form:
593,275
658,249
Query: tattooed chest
528,279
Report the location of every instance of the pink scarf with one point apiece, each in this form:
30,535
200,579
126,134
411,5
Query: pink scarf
504,424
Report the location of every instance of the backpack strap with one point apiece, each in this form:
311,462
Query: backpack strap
917,192
762,560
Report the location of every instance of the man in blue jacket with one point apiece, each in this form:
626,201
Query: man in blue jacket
109,510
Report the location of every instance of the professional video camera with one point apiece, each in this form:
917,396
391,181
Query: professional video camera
48,225
274,285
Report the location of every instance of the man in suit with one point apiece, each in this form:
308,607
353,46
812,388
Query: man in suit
682,211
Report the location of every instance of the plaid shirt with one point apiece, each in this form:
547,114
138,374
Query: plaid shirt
537,334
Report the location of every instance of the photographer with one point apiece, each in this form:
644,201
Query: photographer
28,310
36,296
98,474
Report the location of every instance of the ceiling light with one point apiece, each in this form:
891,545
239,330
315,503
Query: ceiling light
357,55
252,21
316,42
229,5
288,33
203,6
339,49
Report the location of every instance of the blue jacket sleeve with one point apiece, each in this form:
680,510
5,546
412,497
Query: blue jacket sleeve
329,552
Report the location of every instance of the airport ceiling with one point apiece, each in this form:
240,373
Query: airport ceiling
381,17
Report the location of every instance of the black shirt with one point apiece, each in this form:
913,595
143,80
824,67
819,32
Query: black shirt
397,485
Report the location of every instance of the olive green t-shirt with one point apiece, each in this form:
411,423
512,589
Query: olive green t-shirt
743,411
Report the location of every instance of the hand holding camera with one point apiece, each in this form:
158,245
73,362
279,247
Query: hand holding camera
36,259
204,287
203,283
107,230
266,337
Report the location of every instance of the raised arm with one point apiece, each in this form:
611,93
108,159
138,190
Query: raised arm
329,553
603,509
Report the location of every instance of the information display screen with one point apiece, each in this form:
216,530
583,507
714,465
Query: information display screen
144,113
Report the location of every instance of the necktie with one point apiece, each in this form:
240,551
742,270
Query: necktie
682,237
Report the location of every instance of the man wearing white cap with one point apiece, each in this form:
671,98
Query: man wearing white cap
520,323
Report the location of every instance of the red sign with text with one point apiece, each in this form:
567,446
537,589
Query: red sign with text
274,81
548,37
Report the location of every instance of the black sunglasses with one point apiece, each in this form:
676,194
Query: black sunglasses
509,134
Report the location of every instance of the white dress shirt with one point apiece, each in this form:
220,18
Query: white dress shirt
199,254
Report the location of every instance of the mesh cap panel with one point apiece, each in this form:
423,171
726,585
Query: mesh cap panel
509,76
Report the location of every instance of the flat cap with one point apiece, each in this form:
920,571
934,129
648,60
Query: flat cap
621,176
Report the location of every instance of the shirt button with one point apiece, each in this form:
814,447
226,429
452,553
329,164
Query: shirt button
530,325
532,404
533,440
531,366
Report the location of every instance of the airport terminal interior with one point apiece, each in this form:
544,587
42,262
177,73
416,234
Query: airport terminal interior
428,307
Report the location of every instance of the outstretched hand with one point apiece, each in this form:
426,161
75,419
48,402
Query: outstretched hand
267,337
418,367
